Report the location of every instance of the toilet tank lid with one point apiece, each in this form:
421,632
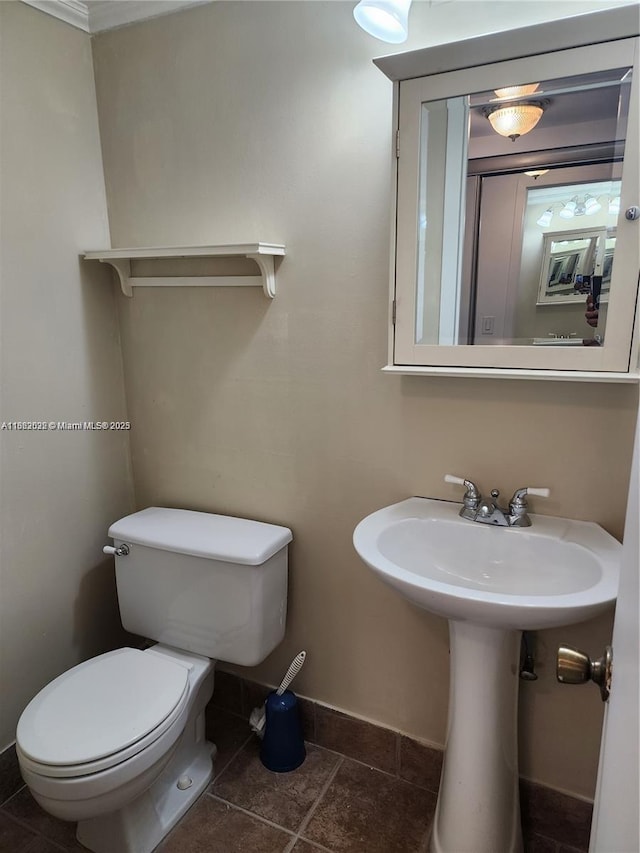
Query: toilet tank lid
202,534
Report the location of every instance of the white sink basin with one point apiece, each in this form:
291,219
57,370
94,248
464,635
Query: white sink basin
553,573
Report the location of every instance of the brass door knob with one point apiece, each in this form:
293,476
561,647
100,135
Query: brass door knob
576,667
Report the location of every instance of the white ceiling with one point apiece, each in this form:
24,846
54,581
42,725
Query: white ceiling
94,16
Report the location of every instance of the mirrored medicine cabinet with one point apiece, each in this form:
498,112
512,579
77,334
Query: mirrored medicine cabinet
516,246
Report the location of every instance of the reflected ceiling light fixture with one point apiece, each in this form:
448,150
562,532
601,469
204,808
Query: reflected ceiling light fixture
579,206
536,173
517,91
569,210
387,20
516,119
545,219
591,205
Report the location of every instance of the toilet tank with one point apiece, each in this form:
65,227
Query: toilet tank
209,584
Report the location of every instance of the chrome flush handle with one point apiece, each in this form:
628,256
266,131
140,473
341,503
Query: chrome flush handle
120,551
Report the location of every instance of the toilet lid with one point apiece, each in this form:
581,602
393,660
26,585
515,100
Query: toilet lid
101,707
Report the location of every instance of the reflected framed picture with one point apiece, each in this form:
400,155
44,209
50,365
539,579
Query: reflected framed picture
569,260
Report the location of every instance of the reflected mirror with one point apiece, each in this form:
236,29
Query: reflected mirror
533,181
567,266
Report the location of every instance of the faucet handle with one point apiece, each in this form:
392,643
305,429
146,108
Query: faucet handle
520,495
472,497
541,493
518,505
460,481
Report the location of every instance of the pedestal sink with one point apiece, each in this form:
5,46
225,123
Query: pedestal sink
491,583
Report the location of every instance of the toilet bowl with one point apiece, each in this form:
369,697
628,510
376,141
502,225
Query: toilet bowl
118,742
147,727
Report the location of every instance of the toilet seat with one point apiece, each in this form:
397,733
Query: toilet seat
101,713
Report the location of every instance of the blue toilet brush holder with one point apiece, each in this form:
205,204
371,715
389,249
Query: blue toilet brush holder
283,744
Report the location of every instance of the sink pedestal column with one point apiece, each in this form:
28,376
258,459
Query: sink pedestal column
478,808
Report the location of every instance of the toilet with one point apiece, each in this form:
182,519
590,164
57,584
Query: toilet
117,743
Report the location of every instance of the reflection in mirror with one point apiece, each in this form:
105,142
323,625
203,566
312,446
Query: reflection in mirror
560,268
538,204
568,264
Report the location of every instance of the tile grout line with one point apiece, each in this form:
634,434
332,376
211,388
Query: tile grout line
12,797
295,834
255,815
9,798
370,766
313,844
309,816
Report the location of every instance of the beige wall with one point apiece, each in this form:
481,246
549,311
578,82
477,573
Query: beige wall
60,361
237,122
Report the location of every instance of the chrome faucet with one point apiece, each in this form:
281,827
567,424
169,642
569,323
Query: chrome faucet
488,511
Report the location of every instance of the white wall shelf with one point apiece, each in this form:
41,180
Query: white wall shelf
515,373
123,261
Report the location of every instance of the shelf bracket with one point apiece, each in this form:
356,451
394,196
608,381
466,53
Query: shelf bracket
123,267
266,265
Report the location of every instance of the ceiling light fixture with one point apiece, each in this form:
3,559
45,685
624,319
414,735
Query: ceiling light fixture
387,20
515,120
516,91
536,173
614,206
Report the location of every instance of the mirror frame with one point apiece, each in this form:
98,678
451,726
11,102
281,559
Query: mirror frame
476,65
595,250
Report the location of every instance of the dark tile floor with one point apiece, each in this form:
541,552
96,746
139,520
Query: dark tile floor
332,803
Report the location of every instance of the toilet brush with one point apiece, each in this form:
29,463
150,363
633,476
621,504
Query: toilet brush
258,715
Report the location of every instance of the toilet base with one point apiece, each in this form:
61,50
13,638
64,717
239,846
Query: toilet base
140,826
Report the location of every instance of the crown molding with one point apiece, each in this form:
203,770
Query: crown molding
72,12
109,14
99,15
